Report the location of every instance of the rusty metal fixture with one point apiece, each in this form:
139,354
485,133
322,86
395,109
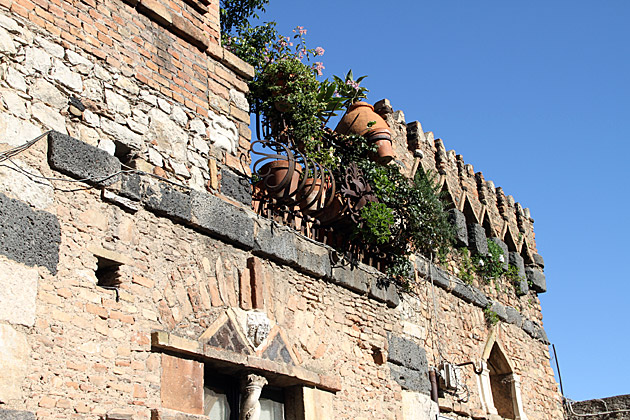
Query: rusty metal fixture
356,191
289,178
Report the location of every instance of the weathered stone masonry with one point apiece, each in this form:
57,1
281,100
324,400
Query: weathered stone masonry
134,272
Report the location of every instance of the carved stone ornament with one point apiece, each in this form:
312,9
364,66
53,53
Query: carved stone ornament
258,327
251,388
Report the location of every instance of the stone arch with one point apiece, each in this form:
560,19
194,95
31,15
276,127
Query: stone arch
500,387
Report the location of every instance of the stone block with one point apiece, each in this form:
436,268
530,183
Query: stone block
504,248
477,239
276,242
15,363
514,316
440,277
82,161
499,309
181,385
406,353
528,327
409,379
470,294
306,403
536,278
458,220
418,406
215,216
131,186
257,276
312,258
18,293
384,290
16,415
538,260
517,261
164,199
31,237
352,278
236,187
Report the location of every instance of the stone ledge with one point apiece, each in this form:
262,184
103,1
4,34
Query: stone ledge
80,160
234,363
240,227
476,297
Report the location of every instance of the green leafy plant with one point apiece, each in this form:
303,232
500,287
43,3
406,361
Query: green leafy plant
492,266
513,277
378,220
491,317
466,266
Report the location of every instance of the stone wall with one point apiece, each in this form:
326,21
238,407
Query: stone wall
134,270
617,407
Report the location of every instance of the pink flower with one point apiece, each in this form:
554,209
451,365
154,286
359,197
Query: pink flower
352,84
301,30
319,66
319,51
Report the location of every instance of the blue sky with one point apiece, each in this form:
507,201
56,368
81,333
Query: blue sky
536,95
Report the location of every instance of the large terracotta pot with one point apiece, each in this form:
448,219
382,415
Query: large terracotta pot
356,121
313,196
278,181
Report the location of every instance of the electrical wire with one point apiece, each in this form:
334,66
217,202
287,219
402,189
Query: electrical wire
8,154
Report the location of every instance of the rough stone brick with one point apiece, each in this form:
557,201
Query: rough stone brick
276,242
536,278
513,316
182,384
412,380
312,258
131,186
538,260
166,200
440,277
470,294
18,293
257,277
477,239
504,248
384,290
31,237
14,359
16,415
221,219
81,161
461,230
521,286
237,187
406,353
352,278
499,309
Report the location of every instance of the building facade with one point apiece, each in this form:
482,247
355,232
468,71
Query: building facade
138,283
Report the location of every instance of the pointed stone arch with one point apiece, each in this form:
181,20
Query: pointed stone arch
469,212
487,225
510,241
447,196
500,387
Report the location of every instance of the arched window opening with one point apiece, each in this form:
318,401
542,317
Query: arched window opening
501,379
